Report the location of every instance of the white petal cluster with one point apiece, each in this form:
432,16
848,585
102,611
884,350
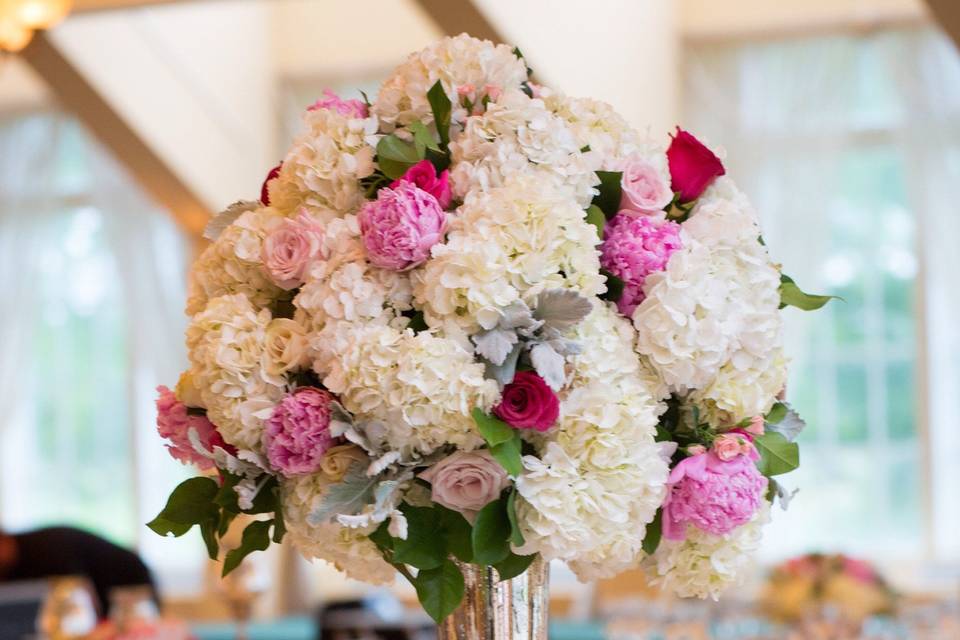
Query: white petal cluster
743,388
226,344
420,387
518,134
455,62
322,170
508,243
704,565
232,263
348,549
599,479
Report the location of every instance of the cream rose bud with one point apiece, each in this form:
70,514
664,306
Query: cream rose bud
290,249
338,460
187,391
285,347
466,481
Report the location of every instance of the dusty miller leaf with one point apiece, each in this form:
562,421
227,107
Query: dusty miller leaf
347,497
561,309
225,218
549,364
789,426
495,345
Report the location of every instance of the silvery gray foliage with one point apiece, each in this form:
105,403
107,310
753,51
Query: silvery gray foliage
225,218
785,496
538,333
250,466
347,497
790,426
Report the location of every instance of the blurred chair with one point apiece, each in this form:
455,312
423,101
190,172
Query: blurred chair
20,604
379,616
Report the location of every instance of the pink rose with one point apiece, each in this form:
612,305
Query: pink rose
693,167
756,426
290,249
730,445
696,449
297,434
424,175
265,187
714,495
528,403
350,108
401,226
174,424
643,189
466,481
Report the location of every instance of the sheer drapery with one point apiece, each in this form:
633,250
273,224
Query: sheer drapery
92,280
850,148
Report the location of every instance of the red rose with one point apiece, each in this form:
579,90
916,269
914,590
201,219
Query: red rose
264,191
693,167
528,403
424,175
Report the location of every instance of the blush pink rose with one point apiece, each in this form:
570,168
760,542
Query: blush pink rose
728,446
643,189
174,423
401,226
265,187
756,426
528,403
297,433
466,481
290,248
424,175
693,167
349,108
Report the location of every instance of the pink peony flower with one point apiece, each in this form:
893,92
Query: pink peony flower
174,424
642,187
714,495
466,481
265,187
297,434
528,403
290,249
350,108
424,175
693,167
401,226
634,247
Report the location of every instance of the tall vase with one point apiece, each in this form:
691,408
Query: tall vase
513,609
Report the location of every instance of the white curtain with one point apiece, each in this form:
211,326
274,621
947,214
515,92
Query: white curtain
850,148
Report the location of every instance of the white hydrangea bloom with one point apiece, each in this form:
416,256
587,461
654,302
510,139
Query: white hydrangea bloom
519,134
455,62
704,565
744,387
323,168
226,344
347,549
508,243
599,479
420,387
233,264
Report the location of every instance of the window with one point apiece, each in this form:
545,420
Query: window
828,136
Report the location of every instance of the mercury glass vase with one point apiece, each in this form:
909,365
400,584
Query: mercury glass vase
514,609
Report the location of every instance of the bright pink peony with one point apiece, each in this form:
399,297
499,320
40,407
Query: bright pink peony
693,167
636,246
265,187
401,226
643,189
297,434
350,108
174,424
528,403
424,175
714,495
290,249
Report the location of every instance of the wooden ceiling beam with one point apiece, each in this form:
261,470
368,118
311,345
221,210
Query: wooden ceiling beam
79,97
947,13
458,16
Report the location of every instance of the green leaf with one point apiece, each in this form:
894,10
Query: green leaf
381,536
508,454
191,502
516,536
441,106
424,547
777,455
458,533
493,430
164,527
223,523
395,156
608,200
776,413
210,531
491,534
267,499
513,565
440,590
596,218
256,537
614,287
279,526
654,532
792,295
422,139
226,496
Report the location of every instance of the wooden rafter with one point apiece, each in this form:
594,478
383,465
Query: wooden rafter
458,16
78,96
947,13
